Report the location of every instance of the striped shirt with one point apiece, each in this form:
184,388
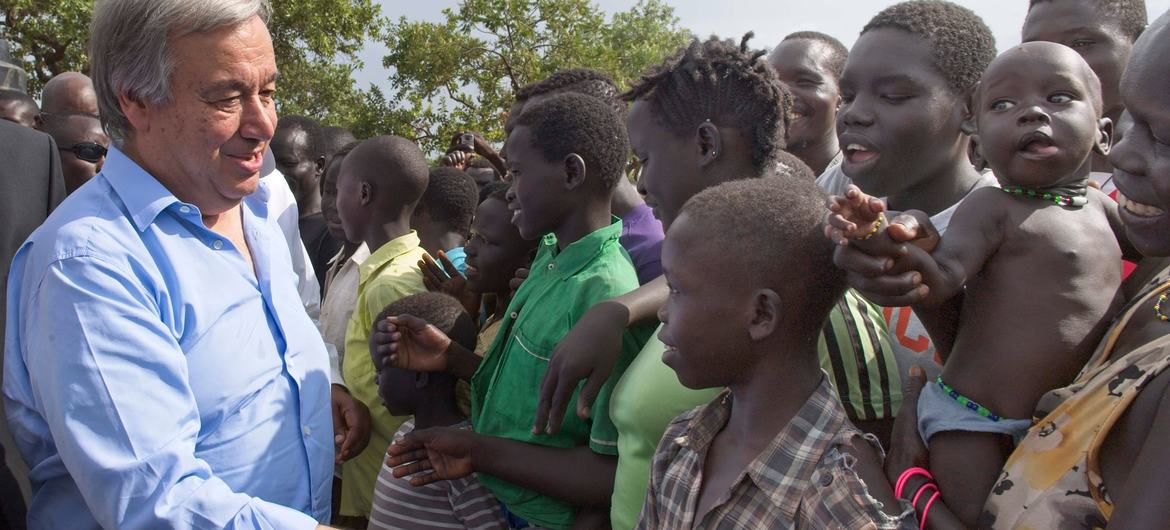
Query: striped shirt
802,480
854,349
455,504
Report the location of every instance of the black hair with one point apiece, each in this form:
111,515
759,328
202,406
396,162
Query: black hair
838,52
716,80
789,165
780,218
440,310
480,162
309,125
395,162
495,190
1131,15
329,140
53,122
570,122
450,198
961,45
16,95
579,80
338,155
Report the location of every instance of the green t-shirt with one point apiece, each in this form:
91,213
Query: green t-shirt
561,286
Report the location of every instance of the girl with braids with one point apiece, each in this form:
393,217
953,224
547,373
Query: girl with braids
712,113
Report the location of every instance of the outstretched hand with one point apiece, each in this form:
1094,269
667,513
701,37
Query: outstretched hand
444,277
410,343
852,216
886,269
588,352
431,455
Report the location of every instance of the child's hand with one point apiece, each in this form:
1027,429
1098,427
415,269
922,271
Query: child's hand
410,343
906,447
445,278
587,353
853,216
444,451
351,424
887,268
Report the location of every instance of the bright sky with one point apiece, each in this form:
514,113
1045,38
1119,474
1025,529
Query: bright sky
771,20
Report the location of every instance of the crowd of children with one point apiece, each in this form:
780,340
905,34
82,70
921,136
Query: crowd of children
878,287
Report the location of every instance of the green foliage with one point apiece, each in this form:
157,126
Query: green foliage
47,36
461,74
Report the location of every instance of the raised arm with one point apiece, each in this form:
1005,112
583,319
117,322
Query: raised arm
111,386
974,234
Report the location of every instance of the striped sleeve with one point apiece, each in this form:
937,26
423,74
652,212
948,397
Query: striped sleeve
855,352
475,506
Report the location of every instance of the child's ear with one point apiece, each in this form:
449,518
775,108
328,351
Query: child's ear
767,315
708,140
968,124
1104,136
574,171
366,193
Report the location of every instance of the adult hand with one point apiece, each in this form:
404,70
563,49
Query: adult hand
588,352
431,455
852,216
456,159
443,277
886,267
906,447
410,343
518,280
351,424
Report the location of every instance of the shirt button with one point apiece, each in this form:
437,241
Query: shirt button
681,441
185,209
291,365
552,266
514,315
217,244
826,479
307,430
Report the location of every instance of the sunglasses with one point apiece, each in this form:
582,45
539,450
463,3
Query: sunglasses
88,151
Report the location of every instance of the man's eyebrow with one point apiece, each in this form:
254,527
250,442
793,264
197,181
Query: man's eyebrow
233,85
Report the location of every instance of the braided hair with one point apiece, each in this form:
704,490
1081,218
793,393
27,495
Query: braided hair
729,85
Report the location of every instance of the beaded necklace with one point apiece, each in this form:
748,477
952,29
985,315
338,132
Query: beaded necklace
1158,307
1062,197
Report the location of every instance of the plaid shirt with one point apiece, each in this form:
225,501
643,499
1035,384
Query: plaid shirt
802,480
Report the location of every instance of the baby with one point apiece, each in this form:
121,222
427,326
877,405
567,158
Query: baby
1038,261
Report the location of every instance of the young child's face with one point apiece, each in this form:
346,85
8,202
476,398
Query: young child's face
670,163
1079,25
899,122
495,249
329,198
803,66
537,197
1142,158
350,210
1038,115
702,355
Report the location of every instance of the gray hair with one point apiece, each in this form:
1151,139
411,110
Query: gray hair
129,47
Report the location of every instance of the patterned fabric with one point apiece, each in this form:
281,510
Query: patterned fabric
1053,478
802,480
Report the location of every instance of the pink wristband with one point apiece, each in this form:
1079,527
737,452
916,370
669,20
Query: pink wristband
905,476
928,485
926,510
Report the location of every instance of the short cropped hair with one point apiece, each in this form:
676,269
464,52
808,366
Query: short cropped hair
311,127
961,44
570,122
495,190
790,165
439,310
450,198
330,140
716,80
1131,15
395,163
129,46
16,95
779,217
838,52
55,122
579,80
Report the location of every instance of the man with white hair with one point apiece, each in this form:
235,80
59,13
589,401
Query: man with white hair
160,370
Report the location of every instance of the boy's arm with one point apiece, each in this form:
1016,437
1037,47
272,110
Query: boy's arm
1112,212
411,343
590,350
575,475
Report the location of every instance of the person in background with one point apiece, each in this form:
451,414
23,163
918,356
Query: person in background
82,143
19,108
69,91
810,65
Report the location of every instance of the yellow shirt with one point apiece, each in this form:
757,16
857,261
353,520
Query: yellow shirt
390,273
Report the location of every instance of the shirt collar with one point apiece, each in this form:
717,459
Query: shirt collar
386,253
142,194
784,469
582,251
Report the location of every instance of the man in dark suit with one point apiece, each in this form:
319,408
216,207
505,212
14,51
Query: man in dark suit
31,185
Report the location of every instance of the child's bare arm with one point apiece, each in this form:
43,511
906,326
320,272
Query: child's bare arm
974,234
1128,251
575,475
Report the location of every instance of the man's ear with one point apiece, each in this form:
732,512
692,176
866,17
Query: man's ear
766,314
136,113
968,123
708,141
575,174
319,165
1104,136
366,193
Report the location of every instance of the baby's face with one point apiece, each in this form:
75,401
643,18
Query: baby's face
1038,116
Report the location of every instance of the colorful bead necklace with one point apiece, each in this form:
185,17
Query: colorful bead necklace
1158,307
1059,199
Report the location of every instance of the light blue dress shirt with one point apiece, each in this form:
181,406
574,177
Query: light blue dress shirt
152,380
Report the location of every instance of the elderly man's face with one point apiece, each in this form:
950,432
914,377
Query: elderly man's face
207,145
